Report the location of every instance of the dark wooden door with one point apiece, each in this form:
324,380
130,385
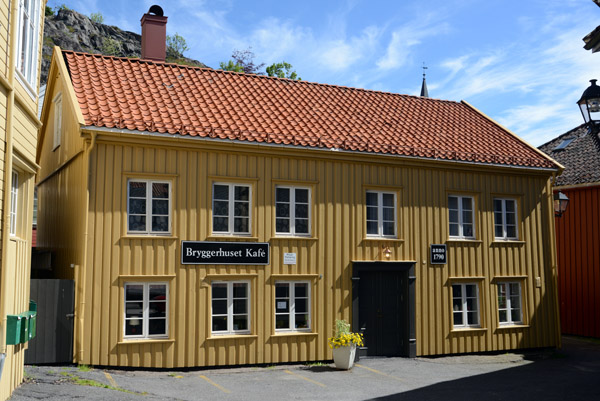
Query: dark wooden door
53,342
383,312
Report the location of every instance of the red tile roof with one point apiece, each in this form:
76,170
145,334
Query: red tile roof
141,95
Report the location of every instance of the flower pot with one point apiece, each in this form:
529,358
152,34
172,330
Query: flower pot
343,357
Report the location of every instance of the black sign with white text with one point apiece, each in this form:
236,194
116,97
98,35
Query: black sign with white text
438,254
224,253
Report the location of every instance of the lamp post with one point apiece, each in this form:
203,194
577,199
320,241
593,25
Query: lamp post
561,201
590,106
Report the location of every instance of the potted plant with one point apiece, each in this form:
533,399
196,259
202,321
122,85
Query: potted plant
343,344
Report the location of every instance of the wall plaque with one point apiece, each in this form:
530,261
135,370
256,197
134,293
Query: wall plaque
438,254
224,253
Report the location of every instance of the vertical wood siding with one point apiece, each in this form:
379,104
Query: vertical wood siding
338,229
578,239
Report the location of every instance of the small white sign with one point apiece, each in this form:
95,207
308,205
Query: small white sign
282,305
289,258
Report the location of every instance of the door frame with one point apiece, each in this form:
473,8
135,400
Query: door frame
379,266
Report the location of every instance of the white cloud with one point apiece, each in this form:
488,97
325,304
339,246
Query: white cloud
341,54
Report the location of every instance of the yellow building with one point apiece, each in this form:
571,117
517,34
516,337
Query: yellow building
216,218
21,23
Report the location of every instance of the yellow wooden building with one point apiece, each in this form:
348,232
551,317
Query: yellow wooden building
216,218
21,23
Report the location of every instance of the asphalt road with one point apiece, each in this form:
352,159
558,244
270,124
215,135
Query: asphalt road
570,373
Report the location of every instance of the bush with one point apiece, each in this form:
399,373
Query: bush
111,47
97,18
176,45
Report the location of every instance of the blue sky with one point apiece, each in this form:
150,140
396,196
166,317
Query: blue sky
520,62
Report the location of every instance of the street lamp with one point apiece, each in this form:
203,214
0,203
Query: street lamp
560,203
590,106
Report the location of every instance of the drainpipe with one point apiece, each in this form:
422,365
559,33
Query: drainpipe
83,266
10,103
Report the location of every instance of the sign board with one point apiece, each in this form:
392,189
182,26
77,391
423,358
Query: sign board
289,258
224,253
438,254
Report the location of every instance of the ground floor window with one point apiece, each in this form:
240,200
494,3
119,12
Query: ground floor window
465,305
230,307
509,303
146,310
292,305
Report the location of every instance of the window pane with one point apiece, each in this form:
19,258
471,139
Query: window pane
371,199
302,211
497,205
371,213
372,227
515,315
388,200
471,290
514,288
134,292
281,306
498,232
388,214
160,207
301,226
301,290
282,225
282,321
137,223
472,318
133,327
221,192
241,209
467,216
498,220
456,290
388,228
282,195
282,290
240,290
137,189
457,305
157,291
220,208
157,327
220,224
160,223
219,306
458,321
282,210
511,231
242,193
241,225
219,291
452,202
240,322
510,206
510,218
453,229
502,316
134,309
219,323
157,309
301,321
453,216
471,304
467,204
137,206
301,195
301,305
160,190
468,230
240,306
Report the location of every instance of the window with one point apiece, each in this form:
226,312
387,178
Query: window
292,210
563,144
381,214
230,307
14,203
57,120
465,305
146,310
509,303
460,216
292,304
28,38
148,207
505,218
231,209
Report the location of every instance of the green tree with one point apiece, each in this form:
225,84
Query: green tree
49,12
97,18
176,45
282,70
111,47
243,59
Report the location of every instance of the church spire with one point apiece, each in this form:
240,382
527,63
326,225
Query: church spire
424,92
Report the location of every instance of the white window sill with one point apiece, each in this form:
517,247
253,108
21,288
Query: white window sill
507,326
294,334
231,236
136,341
229,336
148,236
468,329
464,240
502,241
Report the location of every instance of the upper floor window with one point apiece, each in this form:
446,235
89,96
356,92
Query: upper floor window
146,310
57,120
292,210
460,216
505,218
465,305
292,303
231,209
381,214
28,40
14,203
509,303
148,206
230,307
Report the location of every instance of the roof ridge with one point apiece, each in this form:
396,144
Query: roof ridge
302,82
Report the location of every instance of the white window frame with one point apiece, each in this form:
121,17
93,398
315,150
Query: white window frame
380,220
292,216
148,197
509,304
292,306
14,203
231,209
503,223
145,311
460,211
28,36
230,329
57,121
463,311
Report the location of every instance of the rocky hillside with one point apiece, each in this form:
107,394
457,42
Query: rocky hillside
74,31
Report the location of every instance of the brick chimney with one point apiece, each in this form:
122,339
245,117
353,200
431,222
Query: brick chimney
154,34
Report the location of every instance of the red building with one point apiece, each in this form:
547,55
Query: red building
578,230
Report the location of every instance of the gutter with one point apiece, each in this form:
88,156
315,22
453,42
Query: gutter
10,103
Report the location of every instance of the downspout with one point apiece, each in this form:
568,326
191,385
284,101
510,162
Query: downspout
83,266
10,103
554,262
